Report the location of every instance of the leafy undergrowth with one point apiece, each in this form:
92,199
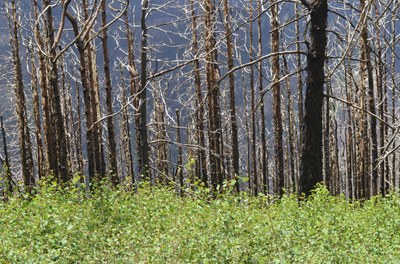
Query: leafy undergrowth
159,227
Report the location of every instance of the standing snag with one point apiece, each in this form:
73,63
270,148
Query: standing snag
311,128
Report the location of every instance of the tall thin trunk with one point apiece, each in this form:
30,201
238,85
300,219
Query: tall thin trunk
300,104
247,128
254,174
78,129
395,174
311,130
6,164
125,132
134,89
98,129
47,139
112,149
36,111
60,161
64,86
292,184
212,96
144,144
232,100
380,87
202,163
93,80
87,100
161,137
23,131
366,68
326,143
264,167
298,63
179,167
338,183
350,136
92,76
277,116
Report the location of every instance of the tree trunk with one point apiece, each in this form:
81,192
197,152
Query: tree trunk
232,100
134,90
144,144
6,162
202,162
125,132
47,139
59,163
311,130
277,116
366,69
179,167
254,175
23,131
112,149
264,167
292,184
87,100
212,96
36,111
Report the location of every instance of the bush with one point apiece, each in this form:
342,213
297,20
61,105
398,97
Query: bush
157,226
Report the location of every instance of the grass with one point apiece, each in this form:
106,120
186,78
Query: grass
115,226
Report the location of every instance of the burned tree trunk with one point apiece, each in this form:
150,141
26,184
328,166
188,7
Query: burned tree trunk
201,163
134,90
254,174
59,161
142,95
179,163
112,149
232,100
6,161
36,111
366,69
86,98
311,130
23,130
212,95
277,116
264,167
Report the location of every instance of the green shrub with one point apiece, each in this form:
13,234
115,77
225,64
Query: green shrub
157,226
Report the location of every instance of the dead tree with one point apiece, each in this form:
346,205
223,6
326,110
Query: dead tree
367,74
59,162
143,147
214,129
277,116
254,174
232,99
201,162
6,161
311,129
112,149
23,129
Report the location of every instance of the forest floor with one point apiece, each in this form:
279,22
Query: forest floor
158,226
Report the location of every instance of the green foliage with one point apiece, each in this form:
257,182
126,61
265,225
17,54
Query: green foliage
156,226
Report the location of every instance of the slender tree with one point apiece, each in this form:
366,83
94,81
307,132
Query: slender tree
212,95
277,116
59,163
6,162
112,149
23,130
232,99
202,162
